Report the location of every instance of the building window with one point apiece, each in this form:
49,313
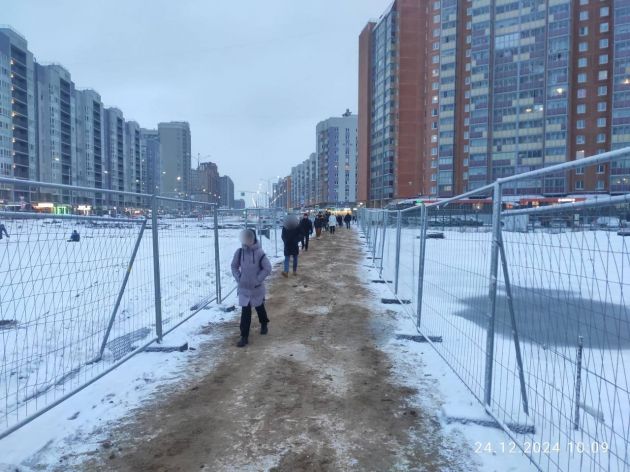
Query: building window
434,125
601,168
434,112
579,170
603,59
602,75
581,109
600,185
604,11
601,138
579,124
436,5
579,139
434,151
582,62
603,27
602,90
603,43
583,15
583,31
601,106
583,47
601,122
583,2
579,155
581,93
579,185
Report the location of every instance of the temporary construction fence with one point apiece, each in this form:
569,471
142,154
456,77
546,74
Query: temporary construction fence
70,312
527,304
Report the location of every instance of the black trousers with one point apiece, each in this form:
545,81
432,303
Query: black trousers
348,224
332,230
305,242
246,318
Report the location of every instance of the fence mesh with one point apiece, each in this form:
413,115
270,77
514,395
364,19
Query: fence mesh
70,311
548,348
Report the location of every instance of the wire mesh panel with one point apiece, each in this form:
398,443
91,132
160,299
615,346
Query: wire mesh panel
569,278
455,285
186,257
409,256
63,318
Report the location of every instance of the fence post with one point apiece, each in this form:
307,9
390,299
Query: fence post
217,262
157,291
421,256
275,230
578,383
494,269
398,227
385,220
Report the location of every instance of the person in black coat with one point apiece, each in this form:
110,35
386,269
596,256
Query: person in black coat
3,230
347,219
307,229
339,221
319,225
291,236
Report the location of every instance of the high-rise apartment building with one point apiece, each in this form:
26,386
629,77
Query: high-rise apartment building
337,159
392,103
114,143
89,142
175,154
133,158
511,86
226,191
18,123
150,157
56,129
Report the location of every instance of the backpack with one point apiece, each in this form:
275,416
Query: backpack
240,256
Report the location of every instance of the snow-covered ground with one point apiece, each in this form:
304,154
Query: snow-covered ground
57,297
565,285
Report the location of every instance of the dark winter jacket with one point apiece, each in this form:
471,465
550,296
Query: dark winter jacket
306,226
339,220
291,238
250,267
347,218
320,222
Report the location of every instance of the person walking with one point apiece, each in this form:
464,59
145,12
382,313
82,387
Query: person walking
306,226
339,221
3,230
332,223
291,237
347,219
319,224
250,268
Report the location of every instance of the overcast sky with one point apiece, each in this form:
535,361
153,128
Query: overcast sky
252,77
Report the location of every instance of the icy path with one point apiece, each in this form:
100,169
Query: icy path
316,394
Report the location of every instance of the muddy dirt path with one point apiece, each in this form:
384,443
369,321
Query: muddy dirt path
316,394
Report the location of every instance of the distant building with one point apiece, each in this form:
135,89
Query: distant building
56,130
18,119
150,157
281,197
89,151
174,159
114,168
133,158
239,204
210,181
226,191
337,160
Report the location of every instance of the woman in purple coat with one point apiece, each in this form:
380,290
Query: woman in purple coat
250,267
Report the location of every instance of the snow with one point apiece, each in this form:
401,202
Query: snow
565,284
62,295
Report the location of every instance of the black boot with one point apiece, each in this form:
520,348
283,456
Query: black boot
263,328
242,342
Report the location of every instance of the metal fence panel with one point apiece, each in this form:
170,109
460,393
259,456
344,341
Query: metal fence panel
530,304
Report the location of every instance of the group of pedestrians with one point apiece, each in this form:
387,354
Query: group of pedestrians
250,265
